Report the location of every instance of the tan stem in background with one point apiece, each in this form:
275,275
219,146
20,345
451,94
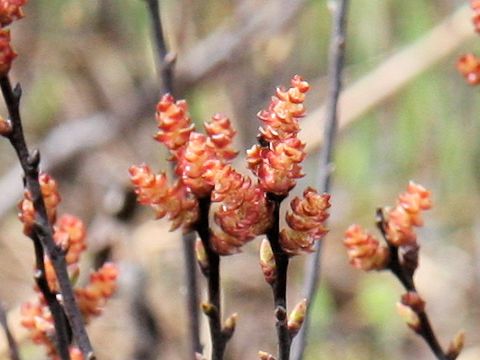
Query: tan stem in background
393,74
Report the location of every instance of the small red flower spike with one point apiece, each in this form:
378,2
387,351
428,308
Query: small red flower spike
198,157
243,212
475,5
51,197
101,286
407,214
70,235
469,66
280,120
364,250
276,162
305,222
11,10
175,202
7,55
174,123
221,134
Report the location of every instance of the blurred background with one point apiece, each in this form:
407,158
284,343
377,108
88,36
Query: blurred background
88,73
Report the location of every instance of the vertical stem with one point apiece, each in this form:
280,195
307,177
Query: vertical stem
165,65
164,61
214,311
192,292
60,321
279,286
43,228
336,62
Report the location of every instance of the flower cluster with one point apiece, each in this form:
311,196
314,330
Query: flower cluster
175,201
51,197
475,5
70,236
276,161
101,286
243,212
198,160
469,64
407,214
10,10
305,222
202,165
364,250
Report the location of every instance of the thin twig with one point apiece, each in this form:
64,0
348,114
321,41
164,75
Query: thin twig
165,69
164,58
43,229
60,321
279,286
12,344
336,64
404,273
213,309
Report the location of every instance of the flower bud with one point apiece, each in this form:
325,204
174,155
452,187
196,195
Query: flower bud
5,126
407,214
297,316
209,309
11,10
101,286
456,346
201,255
413,300
262,355
230,324
409,316
305,222
363,249
267,262
174,123
7,55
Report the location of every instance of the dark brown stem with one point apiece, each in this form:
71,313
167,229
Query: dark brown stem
405,277
279,286
43,229
12,344
166,61
218,336
63,331
336,65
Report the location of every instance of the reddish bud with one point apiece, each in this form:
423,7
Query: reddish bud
305,222
11,10
262,355
267,262
174,122
364,250
456,345
297,316
100,288
407,214
469,66
7,55
5,127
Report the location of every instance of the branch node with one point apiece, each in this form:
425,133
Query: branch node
17,92
34,159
